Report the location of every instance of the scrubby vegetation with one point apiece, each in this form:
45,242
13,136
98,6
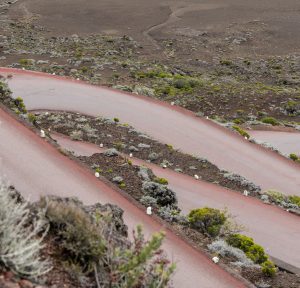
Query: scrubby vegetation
89,242
289,202
21,236
241,131
207,220
253,251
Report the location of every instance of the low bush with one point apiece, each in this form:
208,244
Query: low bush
294,200
163,195
143,264
276,196
225,250
270,120
268,268
31,118
79,238
293,156
207,220
253,251
21,237
172,214
162,181
19,102
241,131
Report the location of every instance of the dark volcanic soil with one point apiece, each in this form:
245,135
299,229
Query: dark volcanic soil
270,27
129,141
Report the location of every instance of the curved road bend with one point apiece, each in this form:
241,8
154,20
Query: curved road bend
285,142
36,168
162,121
275,229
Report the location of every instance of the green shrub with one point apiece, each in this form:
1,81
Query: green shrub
98,170
19,102
25,62
294,156
294,199
31,118
116,120
275,196
253,251
162,181
207,220
241,131
270,120
143,264
78,237
238,121
170,146
225,62
268,268
122,185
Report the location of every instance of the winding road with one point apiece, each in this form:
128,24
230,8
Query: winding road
250,212
163,122
269,225
36,168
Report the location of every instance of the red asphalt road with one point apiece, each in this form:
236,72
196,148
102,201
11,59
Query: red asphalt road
36,168
163,122
276,230
285,142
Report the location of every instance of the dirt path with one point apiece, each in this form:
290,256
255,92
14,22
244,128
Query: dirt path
282,226
166,123
176,12
36,168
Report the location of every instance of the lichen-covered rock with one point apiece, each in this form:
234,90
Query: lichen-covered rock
153,156
111,152
161,193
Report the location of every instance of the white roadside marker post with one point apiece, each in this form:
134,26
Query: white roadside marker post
246,193
215,259
42,134
101,145
97,175
196,177
149,211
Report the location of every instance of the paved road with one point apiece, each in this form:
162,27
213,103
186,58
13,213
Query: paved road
285,142
268,225
36,168
168,124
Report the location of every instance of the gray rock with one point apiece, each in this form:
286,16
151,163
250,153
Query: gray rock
111,152
192,168
144,173
118,179
153,156
179,170
144,146
133,149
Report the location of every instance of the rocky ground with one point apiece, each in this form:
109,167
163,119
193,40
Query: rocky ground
246,71
225,86
125,139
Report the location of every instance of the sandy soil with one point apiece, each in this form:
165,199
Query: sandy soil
273,25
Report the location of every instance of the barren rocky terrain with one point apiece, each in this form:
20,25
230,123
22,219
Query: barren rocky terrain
234,62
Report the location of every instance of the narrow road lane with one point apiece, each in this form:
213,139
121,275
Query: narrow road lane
268,225
36,168
285,142
168,124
